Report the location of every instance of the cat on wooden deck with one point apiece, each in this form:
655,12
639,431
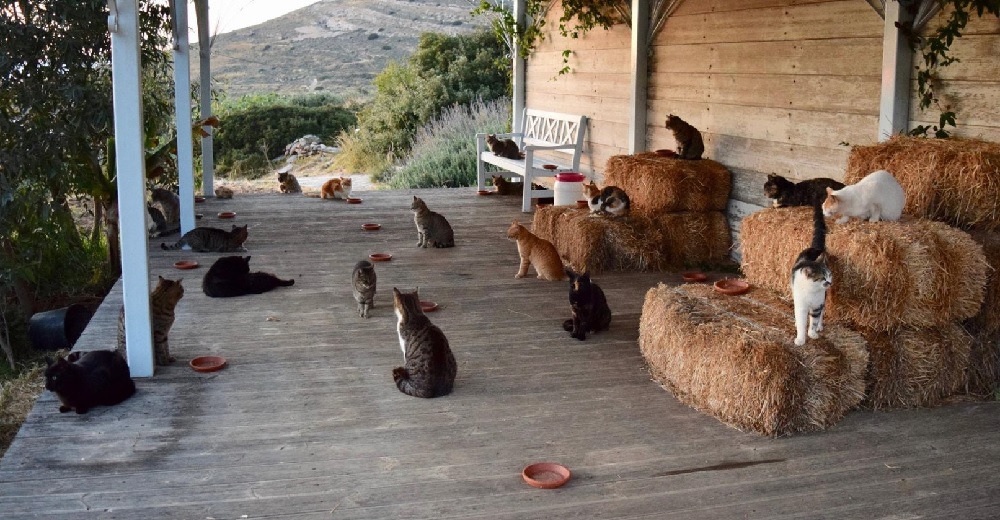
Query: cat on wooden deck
82,381
336,188
536,251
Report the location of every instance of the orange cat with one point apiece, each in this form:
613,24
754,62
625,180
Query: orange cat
336,188
537,251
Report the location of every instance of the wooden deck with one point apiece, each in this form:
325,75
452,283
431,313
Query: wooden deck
307,423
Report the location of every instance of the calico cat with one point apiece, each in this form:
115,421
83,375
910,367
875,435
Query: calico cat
162,302
212,240
590,307
786,193
429,366
364,281
336,188
287,183
689,142
878,196
432,228
223,192
85,380
503,147
537,251
230,276
612,200
810,279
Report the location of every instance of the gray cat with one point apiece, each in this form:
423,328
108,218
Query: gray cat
364,280
170,205
212,240
432,228
429,366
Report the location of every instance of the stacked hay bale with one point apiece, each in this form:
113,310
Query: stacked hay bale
677,218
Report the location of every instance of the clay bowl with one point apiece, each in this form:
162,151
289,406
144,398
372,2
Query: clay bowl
540,206
546,475
666,153
227,214
380,257
694,276
207,363
428,306
732,286
550,167
185,264
371,227
483,193
199,199
353,200
582,204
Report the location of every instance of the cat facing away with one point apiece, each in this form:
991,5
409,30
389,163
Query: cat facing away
590,308
503,147
364,282
878,196
287,183
230,276
212,240
82,381
162,302
336,188
786,193
223,192
536,251
168,217
811,277
429,367
689,142
432,228
610,201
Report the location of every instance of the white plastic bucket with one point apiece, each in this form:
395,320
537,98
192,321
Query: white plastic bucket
568,188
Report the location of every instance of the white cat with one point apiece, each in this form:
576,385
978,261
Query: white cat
876,197
811,277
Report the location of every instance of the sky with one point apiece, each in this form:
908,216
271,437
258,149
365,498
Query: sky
230,15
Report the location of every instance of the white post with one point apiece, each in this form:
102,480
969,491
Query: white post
517,110
130,162
640,61
897,60
182,108
204,53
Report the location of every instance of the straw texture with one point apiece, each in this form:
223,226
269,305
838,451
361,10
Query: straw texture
657,185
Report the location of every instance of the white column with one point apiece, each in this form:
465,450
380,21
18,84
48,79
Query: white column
204,53
897,61
130,159
517,110
182,108
640,61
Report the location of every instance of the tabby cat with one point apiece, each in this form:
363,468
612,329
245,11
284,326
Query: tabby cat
806,193
230,276
364,281
212,240
170,211
878,196
505,187
810,279
432,228
612,200
689,142
287,183
336,188
503,147
590,307
156,225
537,251
85,380
223,192
429,366
162,302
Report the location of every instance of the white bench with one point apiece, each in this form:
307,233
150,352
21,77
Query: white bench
543,131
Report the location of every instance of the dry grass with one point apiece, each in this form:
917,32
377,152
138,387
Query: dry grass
988,319
657,185
952,180
915,272
982,377
17,397
734,358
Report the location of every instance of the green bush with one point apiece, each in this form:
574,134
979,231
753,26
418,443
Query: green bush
444,150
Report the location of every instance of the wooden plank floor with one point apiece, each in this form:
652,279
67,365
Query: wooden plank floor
307,423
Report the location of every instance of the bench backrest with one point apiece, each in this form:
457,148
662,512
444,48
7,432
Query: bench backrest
547,128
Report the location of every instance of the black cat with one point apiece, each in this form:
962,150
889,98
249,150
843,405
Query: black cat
231,276
83,381
590,307
786,193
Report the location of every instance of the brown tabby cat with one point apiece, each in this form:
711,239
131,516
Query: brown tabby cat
503,147
689,142
432,228
162,302
429,366
170,209
505,187
223,192
212,240
336,188
288,183
537,251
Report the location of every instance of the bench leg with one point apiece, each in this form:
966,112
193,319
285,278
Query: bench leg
480,166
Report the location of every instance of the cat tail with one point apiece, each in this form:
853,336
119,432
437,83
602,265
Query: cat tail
819,229
178,245
406,385
286,283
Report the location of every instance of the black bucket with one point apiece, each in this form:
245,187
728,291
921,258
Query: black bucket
58,329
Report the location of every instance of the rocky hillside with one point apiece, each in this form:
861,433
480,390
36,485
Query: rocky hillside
335,46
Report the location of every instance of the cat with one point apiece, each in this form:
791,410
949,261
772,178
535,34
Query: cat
156,225
878,196
168,217
85,380
432,228
162,302
536,251
612,200
336,188
810,279
786,193
429,366
230,276
364,281
212,240
590,307
503,147
223,192
689,142
287,183
505,187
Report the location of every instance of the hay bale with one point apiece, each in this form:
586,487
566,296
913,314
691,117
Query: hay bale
988,319
915,367
734,358
952,180
693,238
658,185
915,272
982,376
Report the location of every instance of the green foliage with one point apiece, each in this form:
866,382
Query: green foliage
444,150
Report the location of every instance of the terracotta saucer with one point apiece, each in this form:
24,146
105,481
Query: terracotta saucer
227,214
550,167
207,363
371,227
185,264
484,193
428,306
694,276
582,204
353,200
380,257
199,199
666,153
732,286
546,475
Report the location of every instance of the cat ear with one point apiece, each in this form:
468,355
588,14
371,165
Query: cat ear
829,191
161,278
48,361
515,223
395,292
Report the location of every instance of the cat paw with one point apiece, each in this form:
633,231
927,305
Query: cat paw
64,409
581,336
81,411
813,334
800,341
842,220
568,325
518,275
399,373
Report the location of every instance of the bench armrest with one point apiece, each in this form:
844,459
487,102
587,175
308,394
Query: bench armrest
550,147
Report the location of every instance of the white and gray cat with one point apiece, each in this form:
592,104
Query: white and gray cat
811,277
